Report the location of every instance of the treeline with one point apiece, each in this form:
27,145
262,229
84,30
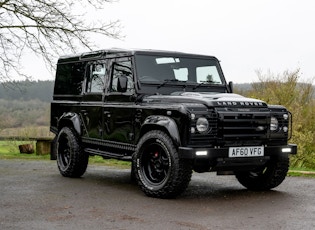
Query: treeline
19,113
25,103
27,90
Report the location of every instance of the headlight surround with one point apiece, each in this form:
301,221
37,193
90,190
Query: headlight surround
274,124
202,125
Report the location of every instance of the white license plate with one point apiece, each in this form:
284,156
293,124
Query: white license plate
248,151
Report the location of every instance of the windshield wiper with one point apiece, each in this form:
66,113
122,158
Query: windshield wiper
203,83
167,81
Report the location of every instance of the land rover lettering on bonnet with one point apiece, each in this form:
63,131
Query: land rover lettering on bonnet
241,103
170,114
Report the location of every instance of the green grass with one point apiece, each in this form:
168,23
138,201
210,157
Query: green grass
301,173
109,162
10,150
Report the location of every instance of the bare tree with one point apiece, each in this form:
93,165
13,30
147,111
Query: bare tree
46,28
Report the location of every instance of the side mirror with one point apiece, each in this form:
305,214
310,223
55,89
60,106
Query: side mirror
230,88
122,83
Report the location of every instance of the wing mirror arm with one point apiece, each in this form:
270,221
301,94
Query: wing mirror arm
230,87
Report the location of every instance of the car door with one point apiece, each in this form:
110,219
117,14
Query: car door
92,103
119,106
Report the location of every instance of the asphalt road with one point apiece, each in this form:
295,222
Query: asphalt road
33,195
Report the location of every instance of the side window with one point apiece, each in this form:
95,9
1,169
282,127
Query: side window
96,72
122,69
69,78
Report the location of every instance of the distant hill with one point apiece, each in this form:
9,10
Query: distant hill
27,90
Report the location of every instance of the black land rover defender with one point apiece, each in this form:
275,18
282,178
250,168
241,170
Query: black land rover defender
169,113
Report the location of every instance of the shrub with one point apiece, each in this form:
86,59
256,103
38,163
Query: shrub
284,89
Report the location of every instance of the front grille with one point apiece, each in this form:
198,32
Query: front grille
243,125
233,128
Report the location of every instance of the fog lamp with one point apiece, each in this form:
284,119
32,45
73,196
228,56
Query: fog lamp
286,150
201,153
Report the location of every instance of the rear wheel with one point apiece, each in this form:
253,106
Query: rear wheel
71,160
267,177
157,167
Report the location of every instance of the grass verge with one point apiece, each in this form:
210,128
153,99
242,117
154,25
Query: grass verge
10,150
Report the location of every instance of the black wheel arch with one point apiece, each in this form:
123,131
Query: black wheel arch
71,120
163,123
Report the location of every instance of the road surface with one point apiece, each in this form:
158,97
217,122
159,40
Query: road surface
33,195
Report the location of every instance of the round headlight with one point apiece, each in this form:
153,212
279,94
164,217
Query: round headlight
274,124
202,125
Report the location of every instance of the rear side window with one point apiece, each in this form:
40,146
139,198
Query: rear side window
95,77
69,78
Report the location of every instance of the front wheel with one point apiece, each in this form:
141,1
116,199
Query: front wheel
267,177
157,167
71,160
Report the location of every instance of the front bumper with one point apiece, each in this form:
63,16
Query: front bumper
218,159
211,153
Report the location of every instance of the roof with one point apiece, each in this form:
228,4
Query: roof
124,52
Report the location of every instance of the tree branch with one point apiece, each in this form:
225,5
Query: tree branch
47,28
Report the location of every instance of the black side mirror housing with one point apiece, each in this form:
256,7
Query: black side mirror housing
230,87
122,83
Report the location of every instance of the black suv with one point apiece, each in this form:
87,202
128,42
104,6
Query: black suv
169,113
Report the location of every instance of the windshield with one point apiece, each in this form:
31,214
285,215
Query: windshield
159,69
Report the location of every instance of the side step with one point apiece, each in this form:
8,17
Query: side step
106,154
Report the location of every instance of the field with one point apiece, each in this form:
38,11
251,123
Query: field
10,150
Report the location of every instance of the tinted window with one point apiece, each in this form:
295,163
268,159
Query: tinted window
156,69
69,78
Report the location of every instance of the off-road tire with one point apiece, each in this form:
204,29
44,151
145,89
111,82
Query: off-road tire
267,177
157,167
71,160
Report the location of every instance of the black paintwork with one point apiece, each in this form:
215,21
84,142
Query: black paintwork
111,120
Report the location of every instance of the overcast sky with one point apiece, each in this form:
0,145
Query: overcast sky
245,35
